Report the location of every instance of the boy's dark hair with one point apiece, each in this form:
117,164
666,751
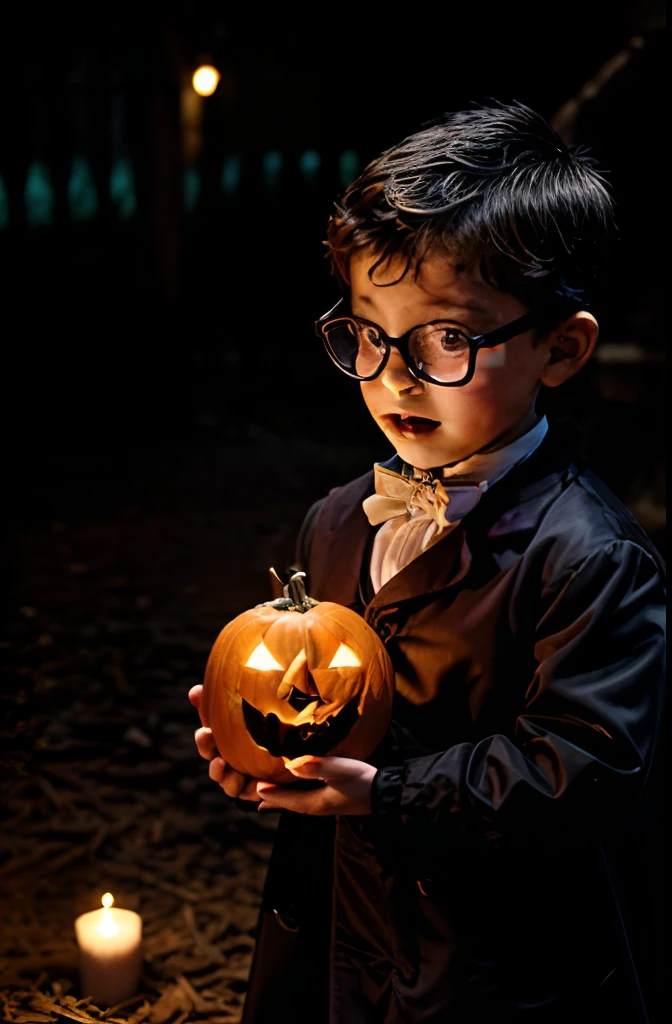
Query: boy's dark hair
494,187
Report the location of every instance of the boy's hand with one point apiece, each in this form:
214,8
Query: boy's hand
347,788
234,783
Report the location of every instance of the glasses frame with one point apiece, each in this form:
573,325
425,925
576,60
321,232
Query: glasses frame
476,342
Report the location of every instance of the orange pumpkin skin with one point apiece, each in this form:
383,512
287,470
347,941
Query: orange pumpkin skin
258,715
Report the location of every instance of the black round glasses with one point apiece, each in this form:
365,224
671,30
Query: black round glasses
439,352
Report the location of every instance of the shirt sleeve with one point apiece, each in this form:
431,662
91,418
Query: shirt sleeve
583,740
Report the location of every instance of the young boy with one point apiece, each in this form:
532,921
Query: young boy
462,874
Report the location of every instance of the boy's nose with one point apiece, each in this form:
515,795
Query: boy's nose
397,378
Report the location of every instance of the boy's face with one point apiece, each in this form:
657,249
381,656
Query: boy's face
454,422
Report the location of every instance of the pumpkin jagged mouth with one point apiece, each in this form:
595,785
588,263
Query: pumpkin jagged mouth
282,740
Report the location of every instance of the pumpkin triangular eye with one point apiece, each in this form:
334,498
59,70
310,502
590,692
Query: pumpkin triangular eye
345,657
262,659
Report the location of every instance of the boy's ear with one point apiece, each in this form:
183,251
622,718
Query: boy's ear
569,345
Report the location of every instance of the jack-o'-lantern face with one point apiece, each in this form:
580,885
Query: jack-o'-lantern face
309,704
282,682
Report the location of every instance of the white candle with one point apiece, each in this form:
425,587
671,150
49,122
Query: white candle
110,954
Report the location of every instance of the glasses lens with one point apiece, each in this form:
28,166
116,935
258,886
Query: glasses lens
358,347
441,350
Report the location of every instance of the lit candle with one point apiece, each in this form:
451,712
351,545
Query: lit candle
110,955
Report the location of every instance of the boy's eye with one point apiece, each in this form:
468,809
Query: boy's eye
452,339
371,335
432,340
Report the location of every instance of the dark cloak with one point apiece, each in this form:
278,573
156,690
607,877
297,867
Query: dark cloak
498,878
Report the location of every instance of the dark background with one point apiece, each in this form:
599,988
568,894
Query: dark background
168,415
189,320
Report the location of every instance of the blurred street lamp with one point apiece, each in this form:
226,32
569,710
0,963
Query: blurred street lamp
205,79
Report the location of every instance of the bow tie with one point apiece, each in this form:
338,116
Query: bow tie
398,495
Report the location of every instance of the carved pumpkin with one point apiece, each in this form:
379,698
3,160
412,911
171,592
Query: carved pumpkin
296,676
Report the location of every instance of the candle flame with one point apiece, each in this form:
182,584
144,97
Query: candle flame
107,926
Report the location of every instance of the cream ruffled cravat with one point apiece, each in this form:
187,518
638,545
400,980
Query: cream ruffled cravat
417,507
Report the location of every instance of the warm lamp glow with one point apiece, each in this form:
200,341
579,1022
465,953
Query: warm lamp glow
107,899
345,657
262,659
205,80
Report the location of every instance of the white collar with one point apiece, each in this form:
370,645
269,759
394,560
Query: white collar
487,468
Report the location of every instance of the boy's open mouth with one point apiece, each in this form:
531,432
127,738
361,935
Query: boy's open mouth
412,425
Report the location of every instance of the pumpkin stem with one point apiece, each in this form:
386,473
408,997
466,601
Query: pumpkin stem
296,592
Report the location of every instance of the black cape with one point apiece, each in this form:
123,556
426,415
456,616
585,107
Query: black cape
499,877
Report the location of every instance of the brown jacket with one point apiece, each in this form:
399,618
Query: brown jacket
528,696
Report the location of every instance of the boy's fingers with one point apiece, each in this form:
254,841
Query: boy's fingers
303,802
337,768
306,767
205,743
195,694
233,782
250,791
217,769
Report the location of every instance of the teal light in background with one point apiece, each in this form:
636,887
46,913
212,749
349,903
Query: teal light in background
82,194
310,163
231,172
273,163
192,189
122,187
38,196
349,165
4,205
